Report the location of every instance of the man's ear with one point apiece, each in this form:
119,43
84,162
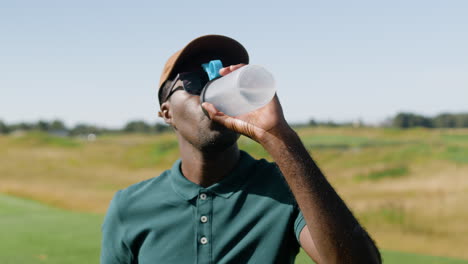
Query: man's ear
165,113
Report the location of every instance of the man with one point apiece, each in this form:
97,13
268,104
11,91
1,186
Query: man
219,205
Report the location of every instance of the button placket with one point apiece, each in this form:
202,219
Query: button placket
203,224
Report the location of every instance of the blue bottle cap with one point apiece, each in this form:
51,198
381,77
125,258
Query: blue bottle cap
212,68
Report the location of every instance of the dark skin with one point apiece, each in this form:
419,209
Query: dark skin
209,152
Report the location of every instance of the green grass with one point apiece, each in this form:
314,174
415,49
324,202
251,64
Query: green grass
145,155
458,154
35,233
38,139
392,172
395,257
455,138
401,185
390,257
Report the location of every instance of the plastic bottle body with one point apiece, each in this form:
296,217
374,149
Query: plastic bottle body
241,91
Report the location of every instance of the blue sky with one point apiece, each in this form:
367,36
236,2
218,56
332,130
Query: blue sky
99,61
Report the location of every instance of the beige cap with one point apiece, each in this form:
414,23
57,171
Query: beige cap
202,50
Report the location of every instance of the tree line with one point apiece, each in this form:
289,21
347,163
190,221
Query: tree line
59,128
405,120
446,120
401,120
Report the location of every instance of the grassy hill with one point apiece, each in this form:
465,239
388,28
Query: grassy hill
408,187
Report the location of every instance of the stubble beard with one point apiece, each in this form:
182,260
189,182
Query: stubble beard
216,138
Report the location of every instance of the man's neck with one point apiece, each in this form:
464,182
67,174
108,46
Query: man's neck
206,169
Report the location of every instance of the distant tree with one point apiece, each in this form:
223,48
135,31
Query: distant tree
451,120
42,125
57,125
109,131
312,122
406,120
422,121
137,127
159,128
84,129
331,123
22,126
402,120
445,120
4,129
461,120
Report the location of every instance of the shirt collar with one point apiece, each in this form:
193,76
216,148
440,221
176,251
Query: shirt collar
225,188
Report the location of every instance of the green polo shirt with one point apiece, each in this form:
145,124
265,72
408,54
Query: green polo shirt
248,217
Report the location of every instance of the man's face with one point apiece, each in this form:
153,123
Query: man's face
186,115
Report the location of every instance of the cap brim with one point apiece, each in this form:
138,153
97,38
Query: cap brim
202,50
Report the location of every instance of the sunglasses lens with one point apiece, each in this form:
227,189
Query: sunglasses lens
193,82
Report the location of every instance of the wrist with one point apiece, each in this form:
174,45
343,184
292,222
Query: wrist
281,136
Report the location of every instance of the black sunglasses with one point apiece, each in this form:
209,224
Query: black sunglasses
192,82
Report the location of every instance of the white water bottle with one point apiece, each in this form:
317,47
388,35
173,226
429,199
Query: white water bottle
241,91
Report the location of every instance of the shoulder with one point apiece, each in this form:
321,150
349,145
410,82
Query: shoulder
266,170
269,180
149,184
142,191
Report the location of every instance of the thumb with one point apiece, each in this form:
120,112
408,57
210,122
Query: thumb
211,110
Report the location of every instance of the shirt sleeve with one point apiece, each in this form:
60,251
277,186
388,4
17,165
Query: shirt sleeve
299,224
114,250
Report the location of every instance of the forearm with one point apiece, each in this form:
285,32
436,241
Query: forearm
337,234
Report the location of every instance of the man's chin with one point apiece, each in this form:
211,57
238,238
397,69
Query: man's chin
219,139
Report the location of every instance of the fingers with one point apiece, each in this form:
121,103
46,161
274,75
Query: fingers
214,114
235,67
232,123
229,69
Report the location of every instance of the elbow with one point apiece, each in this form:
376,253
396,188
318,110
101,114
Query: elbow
362,252
367,252
374,253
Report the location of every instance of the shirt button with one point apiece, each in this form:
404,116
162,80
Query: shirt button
204,219
203,196
203,240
